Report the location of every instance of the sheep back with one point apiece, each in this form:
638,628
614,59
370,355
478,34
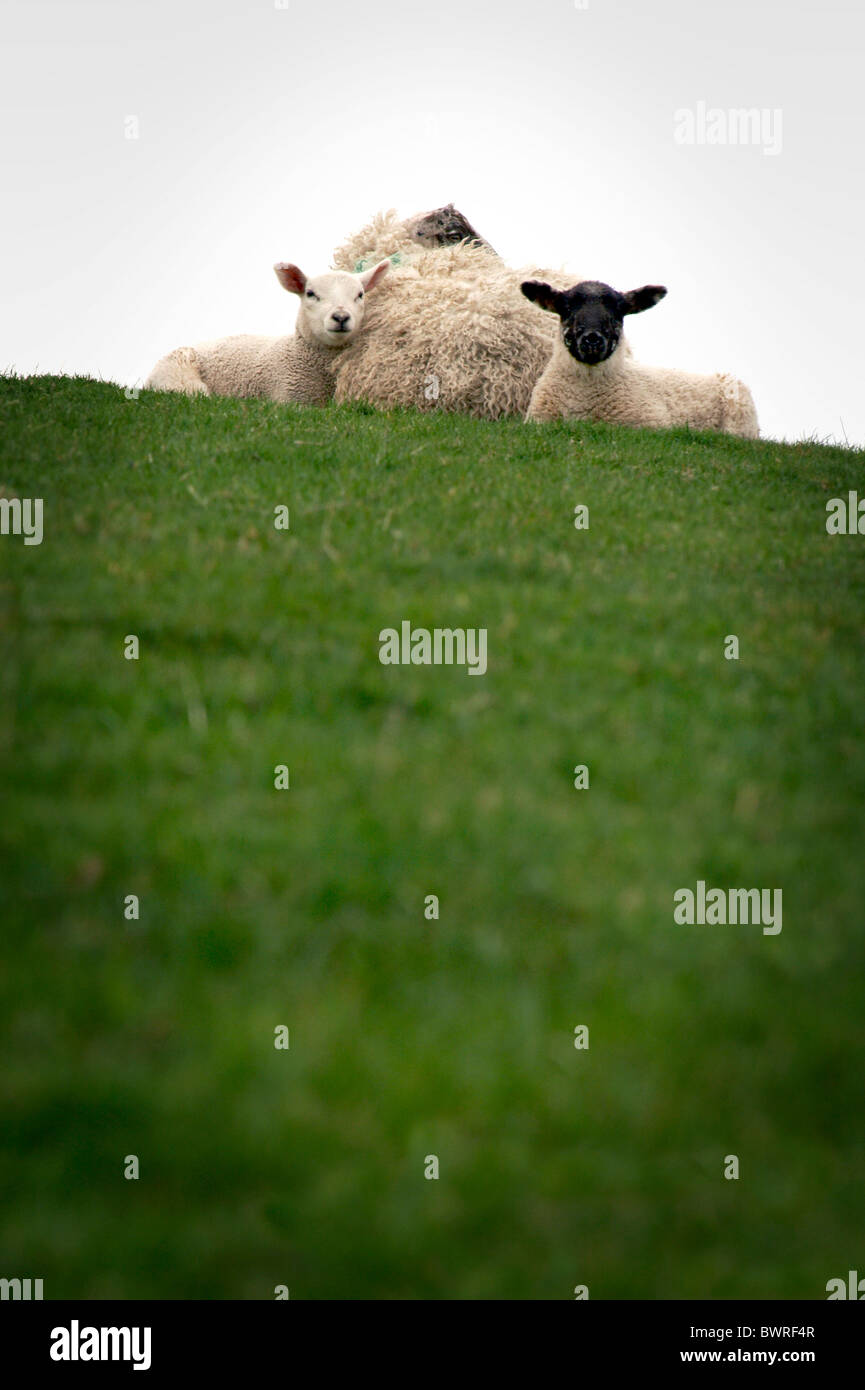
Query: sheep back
280,369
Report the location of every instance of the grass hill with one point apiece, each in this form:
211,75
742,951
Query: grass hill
412,1037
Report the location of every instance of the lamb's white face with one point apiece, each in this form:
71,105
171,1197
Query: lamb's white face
332,305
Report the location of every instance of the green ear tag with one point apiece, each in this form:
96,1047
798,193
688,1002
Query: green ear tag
370,261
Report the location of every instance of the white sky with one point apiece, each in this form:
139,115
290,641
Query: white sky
270,129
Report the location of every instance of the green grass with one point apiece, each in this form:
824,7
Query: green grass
305,908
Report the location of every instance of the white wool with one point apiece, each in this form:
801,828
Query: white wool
622,391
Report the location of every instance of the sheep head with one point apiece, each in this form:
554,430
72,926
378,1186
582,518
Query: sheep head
331,305
592,314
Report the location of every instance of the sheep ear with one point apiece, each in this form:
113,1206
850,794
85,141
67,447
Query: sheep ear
542,294
370,278
635,301
291,277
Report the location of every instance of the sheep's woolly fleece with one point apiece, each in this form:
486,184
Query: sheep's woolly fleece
447,330
280,369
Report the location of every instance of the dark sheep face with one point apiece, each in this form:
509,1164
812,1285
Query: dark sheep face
445,227
592,314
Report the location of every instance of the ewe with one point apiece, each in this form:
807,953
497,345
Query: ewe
590,375
295,368
449,330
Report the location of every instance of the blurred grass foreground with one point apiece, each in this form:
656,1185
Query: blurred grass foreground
414,1036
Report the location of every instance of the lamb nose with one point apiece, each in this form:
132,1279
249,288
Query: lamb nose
339,317
593,340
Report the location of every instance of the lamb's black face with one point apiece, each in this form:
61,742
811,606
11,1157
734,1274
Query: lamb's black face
592,314
592,318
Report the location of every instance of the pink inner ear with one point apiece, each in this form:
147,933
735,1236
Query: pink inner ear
373,279
291,277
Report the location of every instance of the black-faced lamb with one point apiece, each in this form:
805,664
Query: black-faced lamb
590,376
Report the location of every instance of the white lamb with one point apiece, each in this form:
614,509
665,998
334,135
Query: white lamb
591,377
449,329
294,368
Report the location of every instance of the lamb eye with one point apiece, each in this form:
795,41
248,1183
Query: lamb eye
310,294
359,296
